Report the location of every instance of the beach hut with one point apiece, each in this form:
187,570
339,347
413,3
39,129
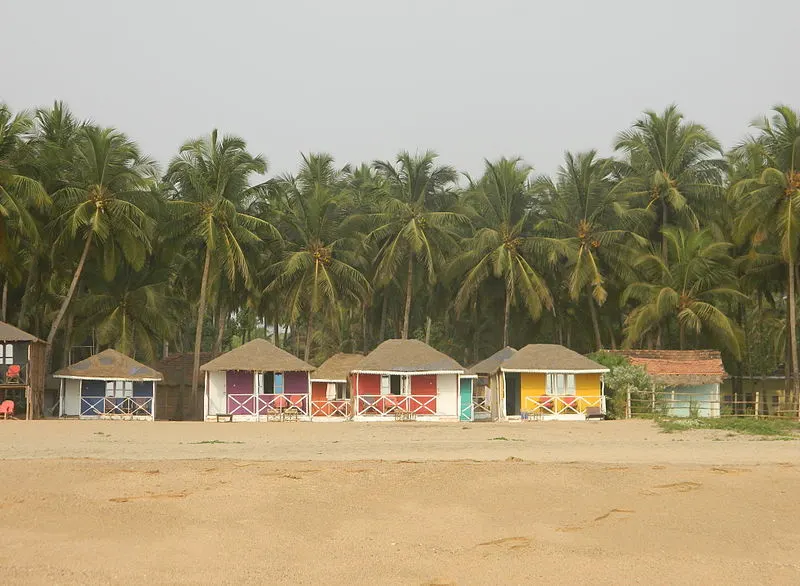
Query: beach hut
108,385
22,371
408,377
691,380
487,384
256,381
549,381
331,386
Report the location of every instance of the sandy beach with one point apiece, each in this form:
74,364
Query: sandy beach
112,502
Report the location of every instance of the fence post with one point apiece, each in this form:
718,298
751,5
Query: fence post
653,402
758,403
628,405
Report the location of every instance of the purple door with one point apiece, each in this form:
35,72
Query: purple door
239,388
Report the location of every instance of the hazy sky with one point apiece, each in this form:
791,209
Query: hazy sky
362,79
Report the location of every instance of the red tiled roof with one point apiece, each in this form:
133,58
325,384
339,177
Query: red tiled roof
679,366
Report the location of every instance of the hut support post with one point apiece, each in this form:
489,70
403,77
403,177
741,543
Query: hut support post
758,403
153,404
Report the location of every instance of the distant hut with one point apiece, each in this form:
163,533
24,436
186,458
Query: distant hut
22,370
691,379
174,400
108,385
549,381
255,381
408,376
331,386
487,384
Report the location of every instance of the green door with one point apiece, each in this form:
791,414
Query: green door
465,400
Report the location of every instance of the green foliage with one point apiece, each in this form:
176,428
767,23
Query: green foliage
777,428
666,244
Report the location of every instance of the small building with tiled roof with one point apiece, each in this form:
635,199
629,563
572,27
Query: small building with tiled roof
331,386
108,385
256,381
691,379
410,378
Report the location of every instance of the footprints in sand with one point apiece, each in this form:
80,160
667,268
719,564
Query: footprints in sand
507,543
730,470
673,487
612,514
163,495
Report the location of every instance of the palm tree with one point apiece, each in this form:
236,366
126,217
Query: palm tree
690,290
132,313
673,165
317,270
593,222
770,203
108,202
209,180
502,245
19,193
414,223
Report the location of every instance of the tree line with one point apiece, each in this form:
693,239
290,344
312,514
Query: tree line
672,242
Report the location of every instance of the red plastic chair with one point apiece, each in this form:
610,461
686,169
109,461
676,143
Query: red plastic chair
7,408
12,374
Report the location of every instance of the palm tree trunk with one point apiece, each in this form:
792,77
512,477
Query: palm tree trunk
598,340
33,273
221,319
309,333
48,356
67,358
364,331
198,332
793,334
276,331
475,330
682,336
428,330
664,220
4,309
506,315
384,312
407,313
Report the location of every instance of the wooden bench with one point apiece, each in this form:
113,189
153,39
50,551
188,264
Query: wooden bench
595,413
225,417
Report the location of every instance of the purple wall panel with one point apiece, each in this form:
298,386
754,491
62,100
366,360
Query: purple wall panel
239,382
296,383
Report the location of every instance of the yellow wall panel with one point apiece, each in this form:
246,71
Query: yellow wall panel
587,385
532,384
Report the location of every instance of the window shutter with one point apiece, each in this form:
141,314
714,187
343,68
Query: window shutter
548,385
384,385
571,384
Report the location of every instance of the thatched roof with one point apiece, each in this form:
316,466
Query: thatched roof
550,358
177,368
9,333
492,364
109,364
258,355
407,356
337,367
679,367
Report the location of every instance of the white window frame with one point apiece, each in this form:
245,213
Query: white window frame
119,389
7,354
559,384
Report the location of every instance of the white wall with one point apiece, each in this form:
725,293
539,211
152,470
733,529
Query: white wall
217,400
72,397
447,387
